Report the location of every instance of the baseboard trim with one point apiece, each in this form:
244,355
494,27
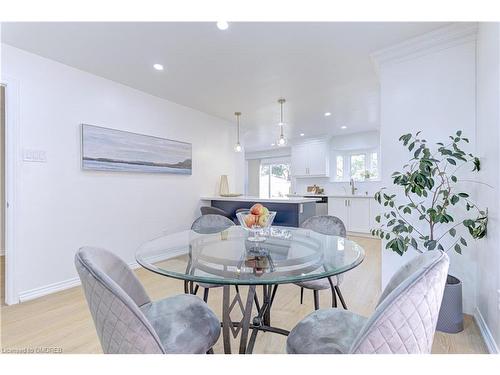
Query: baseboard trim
48,289
75,281
485,332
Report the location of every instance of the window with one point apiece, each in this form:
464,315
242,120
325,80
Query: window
275,181
358,166
339,165
373,167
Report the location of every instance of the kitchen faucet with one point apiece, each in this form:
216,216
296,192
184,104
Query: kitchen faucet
353,188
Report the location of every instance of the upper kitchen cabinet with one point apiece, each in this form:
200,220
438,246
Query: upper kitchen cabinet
311,159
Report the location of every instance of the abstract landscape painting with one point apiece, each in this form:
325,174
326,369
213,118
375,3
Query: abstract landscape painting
106,149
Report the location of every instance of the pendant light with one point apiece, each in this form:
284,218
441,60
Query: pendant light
282,141
237,146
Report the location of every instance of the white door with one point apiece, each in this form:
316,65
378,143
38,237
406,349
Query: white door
359,215
338,207
299,160
318,155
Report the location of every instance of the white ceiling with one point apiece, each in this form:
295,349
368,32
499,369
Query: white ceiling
317,67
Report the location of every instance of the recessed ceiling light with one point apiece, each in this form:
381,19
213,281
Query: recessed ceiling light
272,144
301,134
158,66
222,25
343,127
327,114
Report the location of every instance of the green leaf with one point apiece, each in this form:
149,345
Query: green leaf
463,242
458,249
431,245
414,243
459,133
453,232
451,161
454,178
463,195
454,199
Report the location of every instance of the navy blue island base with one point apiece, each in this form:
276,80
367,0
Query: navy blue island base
287,214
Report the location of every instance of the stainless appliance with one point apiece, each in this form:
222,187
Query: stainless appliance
321,205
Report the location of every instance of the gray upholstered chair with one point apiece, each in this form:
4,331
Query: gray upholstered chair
127,321
209,224
209,210
404,320
332,226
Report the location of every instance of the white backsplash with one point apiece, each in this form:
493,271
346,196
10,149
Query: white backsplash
299,186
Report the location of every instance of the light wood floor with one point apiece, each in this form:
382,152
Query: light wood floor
63,320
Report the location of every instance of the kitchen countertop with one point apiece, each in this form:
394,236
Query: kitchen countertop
332,195
245,198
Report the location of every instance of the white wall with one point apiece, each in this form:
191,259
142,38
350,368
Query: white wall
488,130
431,91
253,177
2,170
61,208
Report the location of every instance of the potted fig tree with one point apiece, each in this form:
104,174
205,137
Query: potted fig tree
430,208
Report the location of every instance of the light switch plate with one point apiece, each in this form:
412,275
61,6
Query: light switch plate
39,156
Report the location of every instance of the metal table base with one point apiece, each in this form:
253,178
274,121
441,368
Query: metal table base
260,322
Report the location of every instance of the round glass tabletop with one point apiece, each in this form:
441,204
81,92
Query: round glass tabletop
287,255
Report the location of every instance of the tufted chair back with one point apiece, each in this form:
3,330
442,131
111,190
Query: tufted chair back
329,225
209,224
114,296
406,316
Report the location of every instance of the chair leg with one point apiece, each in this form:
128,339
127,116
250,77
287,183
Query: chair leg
337,289
205,295
334,296
301,295
316,299
196,289
210,351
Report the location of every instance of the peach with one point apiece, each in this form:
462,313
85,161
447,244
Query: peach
251,220
262,220
256,209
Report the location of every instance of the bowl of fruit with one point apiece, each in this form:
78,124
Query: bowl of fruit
255,220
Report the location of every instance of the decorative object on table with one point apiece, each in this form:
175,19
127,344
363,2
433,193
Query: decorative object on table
223,185
282,141
255,220
229,195
237,146
105,149
433,209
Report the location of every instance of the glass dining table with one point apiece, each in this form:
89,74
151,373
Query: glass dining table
286,255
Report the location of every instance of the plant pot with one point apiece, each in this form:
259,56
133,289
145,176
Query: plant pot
451,317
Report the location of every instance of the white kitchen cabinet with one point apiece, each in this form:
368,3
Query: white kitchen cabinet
354,212
338,207
311,159
375,209
359,215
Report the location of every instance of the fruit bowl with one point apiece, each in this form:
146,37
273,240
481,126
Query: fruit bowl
256,220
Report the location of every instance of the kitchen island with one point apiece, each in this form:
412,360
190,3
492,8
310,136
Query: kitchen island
290,211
